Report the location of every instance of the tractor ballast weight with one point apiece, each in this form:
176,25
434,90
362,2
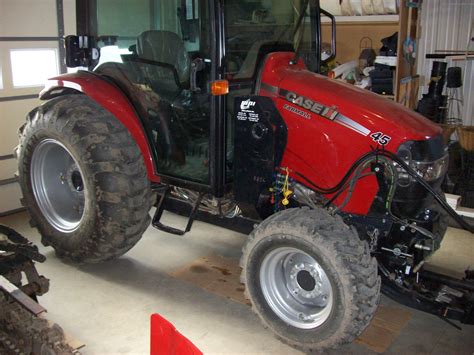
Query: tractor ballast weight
339,187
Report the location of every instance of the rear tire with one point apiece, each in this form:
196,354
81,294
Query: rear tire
83,179
310,279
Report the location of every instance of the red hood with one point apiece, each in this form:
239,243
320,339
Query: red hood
366,108
332,124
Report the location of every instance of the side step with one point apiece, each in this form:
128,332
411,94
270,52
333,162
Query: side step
159,212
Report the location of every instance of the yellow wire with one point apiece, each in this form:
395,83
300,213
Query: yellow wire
286,190
285,185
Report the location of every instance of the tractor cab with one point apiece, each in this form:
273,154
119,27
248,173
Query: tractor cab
182,64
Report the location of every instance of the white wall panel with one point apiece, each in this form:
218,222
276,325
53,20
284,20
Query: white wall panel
12,116
21,23
9,197
28,18
69,10
446,25
8,169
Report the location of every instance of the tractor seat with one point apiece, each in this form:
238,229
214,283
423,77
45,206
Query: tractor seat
167,48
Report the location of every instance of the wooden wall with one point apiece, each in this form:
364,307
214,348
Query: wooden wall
349,35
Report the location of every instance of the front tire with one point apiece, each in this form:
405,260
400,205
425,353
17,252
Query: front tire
83,179
310,279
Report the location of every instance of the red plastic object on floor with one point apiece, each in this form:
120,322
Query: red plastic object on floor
166,340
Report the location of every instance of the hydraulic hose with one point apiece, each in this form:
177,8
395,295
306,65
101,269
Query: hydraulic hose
339,188
343,181
465,225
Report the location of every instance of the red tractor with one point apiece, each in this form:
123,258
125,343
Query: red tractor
215,109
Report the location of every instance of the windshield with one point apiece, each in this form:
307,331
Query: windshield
256,27
120,23
253,28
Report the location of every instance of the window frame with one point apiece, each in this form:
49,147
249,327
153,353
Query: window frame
34,49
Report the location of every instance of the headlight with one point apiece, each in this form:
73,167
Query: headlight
433,170
428,158
428,170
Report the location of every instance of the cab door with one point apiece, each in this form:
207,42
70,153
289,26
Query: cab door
163,54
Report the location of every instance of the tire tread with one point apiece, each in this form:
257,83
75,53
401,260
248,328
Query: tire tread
318,226
124,196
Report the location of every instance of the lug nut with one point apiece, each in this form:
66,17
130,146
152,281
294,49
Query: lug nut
304,317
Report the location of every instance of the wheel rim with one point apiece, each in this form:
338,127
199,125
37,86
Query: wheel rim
296,287
57,184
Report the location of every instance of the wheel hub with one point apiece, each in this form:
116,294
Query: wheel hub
58,186
296,287
75,180
306,281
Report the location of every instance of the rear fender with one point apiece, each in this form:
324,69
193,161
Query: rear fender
110,98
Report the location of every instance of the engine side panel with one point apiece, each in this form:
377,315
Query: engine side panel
110,98
259,145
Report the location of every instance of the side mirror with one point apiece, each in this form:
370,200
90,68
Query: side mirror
81,51
332,55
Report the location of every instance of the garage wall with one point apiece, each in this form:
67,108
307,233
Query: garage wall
447,25
31,49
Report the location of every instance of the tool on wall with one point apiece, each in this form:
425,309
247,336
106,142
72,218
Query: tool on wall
455,96
433,104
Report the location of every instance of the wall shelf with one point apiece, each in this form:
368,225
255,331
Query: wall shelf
363,19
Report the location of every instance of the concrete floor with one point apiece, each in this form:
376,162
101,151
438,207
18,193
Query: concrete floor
108,306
